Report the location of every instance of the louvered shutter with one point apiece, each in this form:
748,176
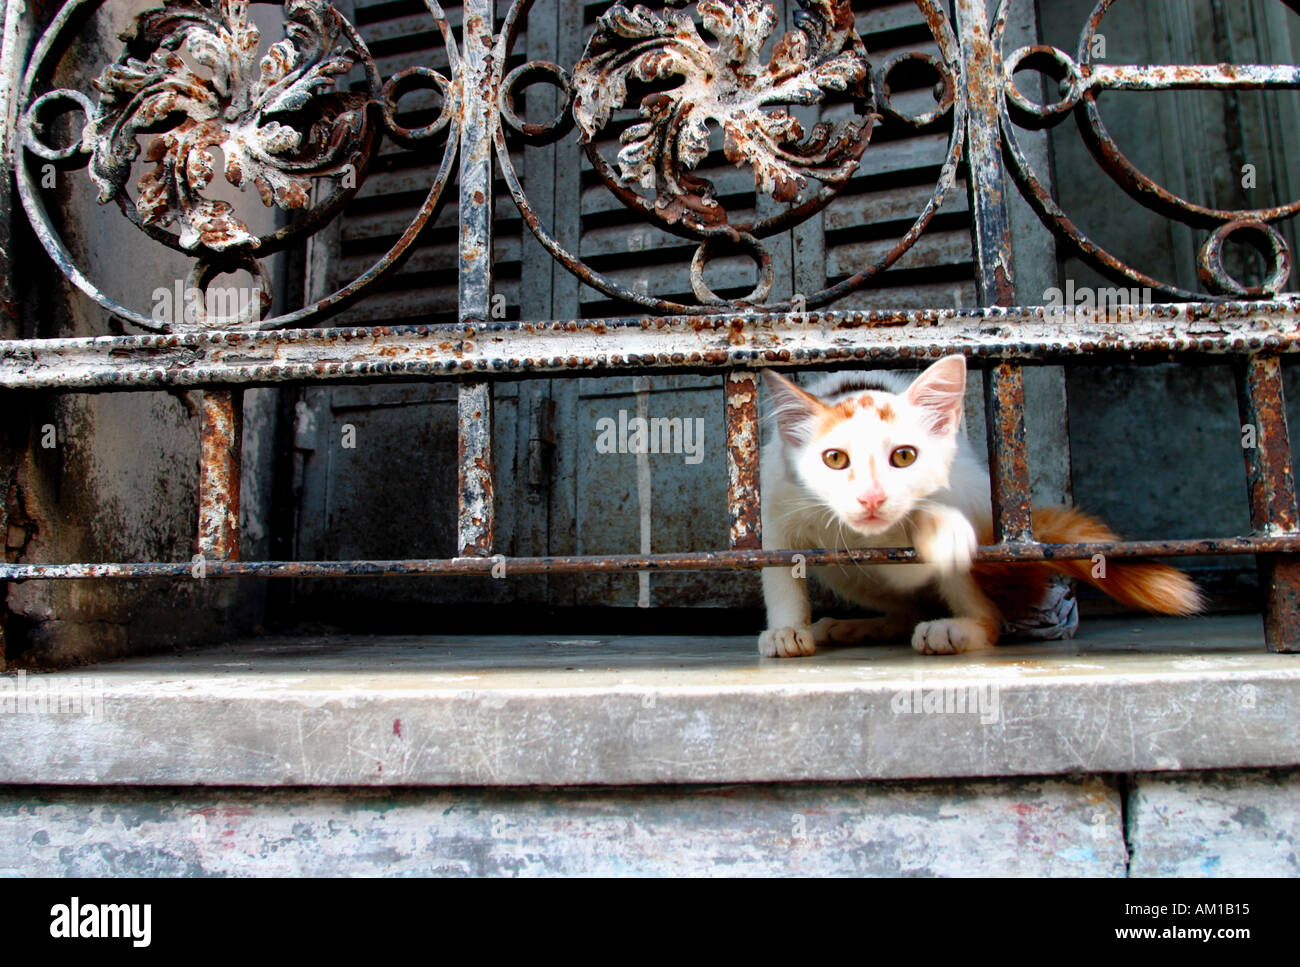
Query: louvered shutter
589,502
394,494
597,503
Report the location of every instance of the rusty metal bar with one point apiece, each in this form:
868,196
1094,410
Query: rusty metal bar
624,345
475,519
1162,77
220,435
475,511
741,391
1270,476
740,560
1004,398
987,182
1004,388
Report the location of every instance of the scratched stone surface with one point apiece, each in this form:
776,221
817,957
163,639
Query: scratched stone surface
1216,824
1125,696
1024,827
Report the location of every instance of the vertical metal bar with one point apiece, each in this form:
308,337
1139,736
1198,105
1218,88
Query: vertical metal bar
1270,477
221,431
1004,400
741,390
987,182
1004,389
1034,256
474,526
644,489
474,530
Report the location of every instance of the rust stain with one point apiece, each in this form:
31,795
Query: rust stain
741,406
219,474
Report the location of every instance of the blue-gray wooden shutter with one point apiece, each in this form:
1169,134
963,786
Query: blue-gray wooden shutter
398,498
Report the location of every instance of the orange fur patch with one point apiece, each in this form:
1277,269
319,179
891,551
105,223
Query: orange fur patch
829,414
1140,584
992,628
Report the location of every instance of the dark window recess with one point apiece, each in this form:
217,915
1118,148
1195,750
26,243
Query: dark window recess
508,222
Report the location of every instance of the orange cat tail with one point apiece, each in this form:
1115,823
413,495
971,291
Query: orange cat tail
1138,583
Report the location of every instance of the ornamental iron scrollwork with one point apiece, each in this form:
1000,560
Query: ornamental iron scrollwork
727,84
190,82
1080,81
696,84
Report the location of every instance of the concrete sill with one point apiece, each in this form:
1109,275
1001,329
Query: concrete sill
1132,695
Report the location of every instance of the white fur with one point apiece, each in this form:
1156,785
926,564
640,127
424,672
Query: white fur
936,504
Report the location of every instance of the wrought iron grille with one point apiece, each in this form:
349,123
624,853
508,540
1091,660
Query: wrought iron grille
305,142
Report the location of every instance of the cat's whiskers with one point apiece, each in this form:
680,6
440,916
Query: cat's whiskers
859,565
811,505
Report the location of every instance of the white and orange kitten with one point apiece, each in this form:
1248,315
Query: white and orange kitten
872,460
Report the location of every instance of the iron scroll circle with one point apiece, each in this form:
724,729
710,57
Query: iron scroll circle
49,50
1081,96
951,59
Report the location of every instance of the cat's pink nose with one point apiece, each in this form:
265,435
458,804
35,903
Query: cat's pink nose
872,501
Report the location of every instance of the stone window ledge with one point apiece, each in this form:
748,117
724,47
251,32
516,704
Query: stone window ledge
1127,695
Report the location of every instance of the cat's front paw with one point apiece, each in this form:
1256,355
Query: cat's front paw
950,636
946,539
786,643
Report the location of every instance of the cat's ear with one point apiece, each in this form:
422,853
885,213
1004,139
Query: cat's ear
940,391
795,409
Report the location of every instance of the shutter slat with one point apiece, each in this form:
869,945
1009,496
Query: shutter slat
931,249
390,224
895,205
408,25
895,16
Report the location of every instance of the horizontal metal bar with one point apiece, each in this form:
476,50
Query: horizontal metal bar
581,347
1138,77
502,566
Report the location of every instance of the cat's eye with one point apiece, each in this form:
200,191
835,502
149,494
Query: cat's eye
903,456
835,459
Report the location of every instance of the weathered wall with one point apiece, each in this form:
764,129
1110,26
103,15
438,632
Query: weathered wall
113,476
1227,824
1048,827
1215,824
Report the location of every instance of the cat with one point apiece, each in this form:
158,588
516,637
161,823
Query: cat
874,460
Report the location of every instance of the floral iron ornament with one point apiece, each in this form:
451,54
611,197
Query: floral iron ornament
190,84
684,74
728,85
276,119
